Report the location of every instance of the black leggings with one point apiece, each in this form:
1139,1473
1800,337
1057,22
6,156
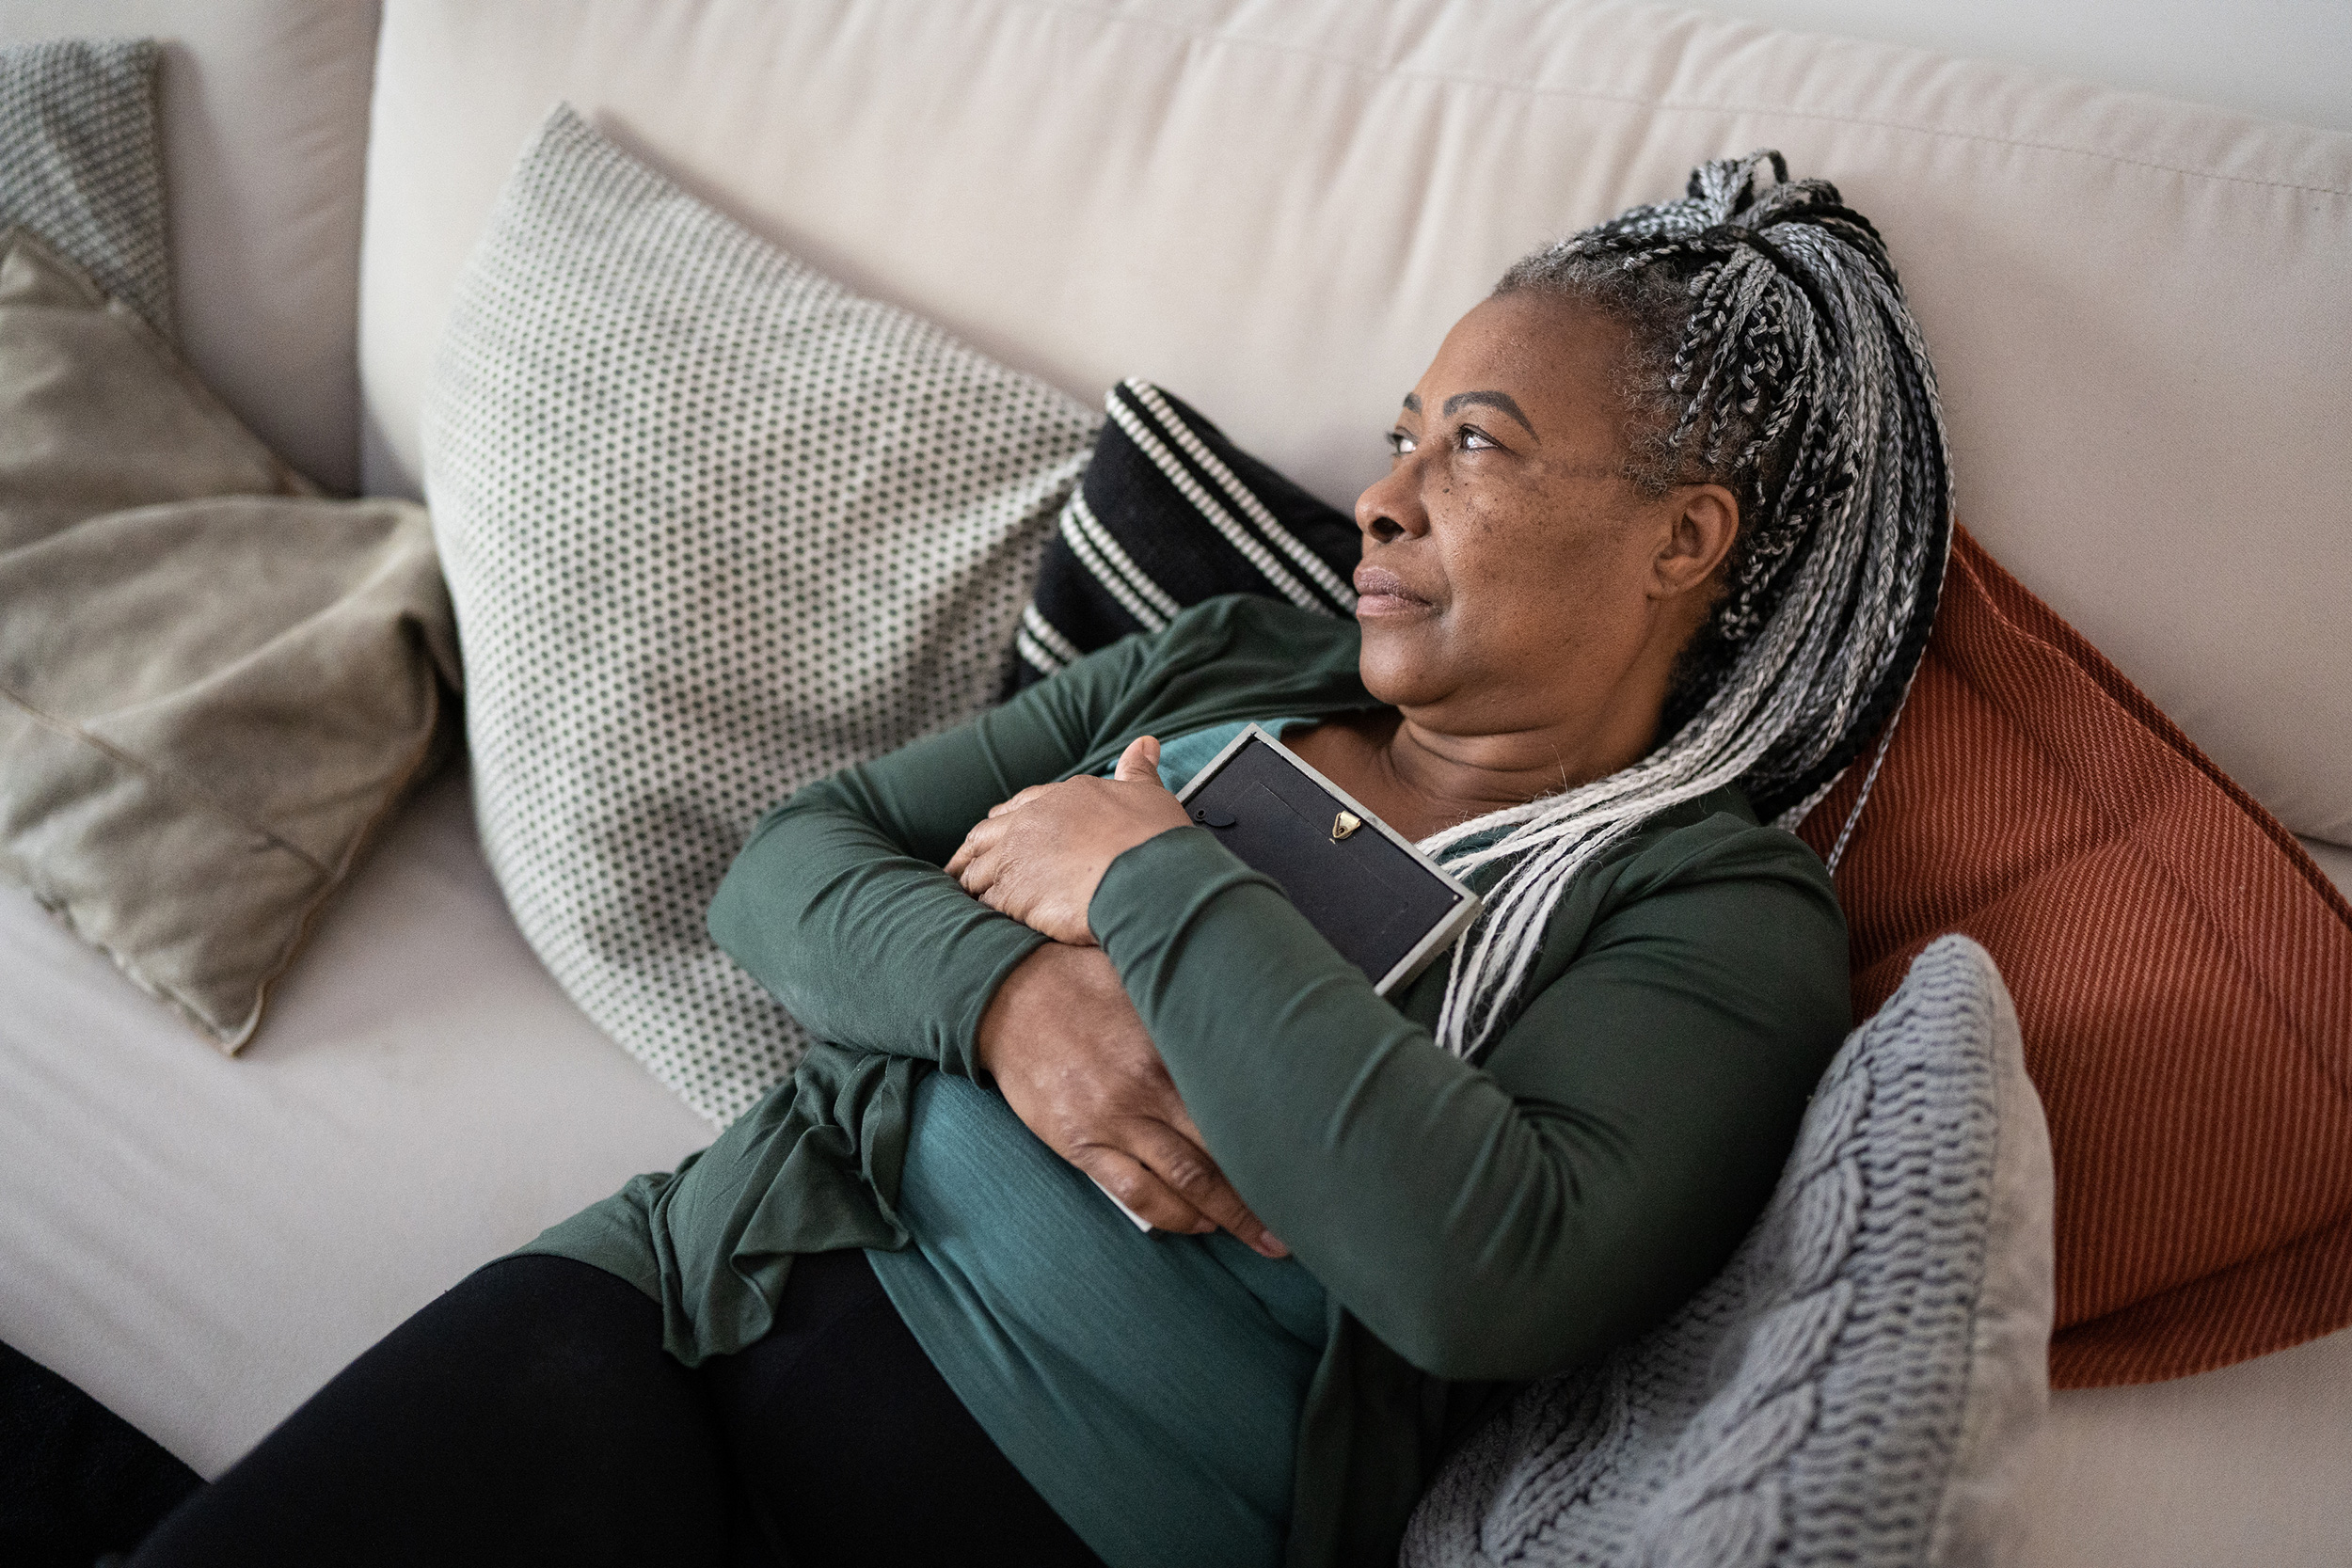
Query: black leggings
531,1416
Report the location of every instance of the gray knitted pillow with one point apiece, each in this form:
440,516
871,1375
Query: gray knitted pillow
82,163
715,526
1859,1383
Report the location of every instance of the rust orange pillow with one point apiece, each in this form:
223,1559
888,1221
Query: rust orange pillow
2182,972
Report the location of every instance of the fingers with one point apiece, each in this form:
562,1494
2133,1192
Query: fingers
1145,1195
1064,1043
1001,807
987,830
1246,1226
1141,762
1007,883
1183,1166
987,833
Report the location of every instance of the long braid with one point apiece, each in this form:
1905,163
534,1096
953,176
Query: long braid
1772,353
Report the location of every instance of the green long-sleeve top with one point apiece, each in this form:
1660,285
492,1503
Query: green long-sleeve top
1472,1225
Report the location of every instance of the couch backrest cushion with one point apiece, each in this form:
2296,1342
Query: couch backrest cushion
2137,308
265,117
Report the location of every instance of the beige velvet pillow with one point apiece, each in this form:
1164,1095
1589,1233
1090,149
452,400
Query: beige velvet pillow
213,684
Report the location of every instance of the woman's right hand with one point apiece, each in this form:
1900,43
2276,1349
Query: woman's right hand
1075,1064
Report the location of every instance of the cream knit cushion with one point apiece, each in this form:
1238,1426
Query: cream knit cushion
715,526
1860,1384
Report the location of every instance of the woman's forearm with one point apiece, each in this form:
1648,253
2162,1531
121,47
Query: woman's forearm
837,904
1484,1224
865,944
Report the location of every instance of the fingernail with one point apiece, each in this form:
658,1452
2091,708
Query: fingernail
1271,1246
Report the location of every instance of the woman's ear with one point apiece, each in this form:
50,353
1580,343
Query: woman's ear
1703,520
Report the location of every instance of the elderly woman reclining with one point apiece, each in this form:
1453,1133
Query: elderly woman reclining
1656,555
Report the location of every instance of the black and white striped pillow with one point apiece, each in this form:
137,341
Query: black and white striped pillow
1170,513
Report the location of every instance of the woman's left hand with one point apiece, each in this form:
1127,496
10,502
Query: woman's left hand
1040,856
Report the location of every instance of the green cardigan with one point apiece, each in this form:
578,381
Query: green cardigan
1474,1225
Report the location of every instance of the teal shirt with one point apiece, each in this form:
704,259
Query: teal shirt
1471,1224
1148,1386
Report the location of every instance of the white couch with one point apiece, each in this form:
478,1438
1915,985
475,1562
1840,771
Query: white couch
2140,309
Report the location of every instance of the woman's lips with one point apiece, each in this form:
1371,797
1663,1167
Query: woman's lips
1381,592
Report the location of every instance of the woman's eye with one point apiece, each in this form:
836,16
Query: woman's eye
1475,439
1400,443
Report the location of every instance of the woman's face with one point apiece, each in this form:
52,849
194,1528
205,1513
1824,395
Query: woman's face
1512,578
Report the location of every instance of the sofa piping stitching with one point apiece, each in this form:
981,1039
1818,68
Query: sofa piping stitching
1661,102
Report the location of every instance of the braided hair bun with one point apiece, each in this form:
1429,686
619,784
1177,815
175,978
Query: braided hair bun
1771,352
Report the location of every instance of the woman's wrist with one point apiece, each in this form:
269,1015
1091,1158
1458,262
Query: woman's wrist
1032,991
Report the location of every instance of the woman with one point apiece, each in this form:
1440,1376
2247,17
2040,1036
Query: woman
1656,552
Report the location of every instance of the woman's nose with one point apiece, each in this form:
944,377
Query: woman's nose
1389,508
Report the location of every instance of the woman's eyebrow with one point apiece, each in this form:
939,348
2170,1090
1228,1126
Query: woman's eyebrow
1492,400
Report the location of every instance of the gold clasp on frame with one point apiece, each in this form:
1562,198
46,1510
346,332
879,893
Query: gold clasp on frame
1345,824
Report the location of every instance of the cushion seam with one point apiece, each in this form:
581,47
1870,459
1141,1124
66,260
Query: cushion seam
202,796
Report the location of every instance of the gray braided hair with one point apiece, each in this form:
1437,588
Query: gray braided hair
1772,353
